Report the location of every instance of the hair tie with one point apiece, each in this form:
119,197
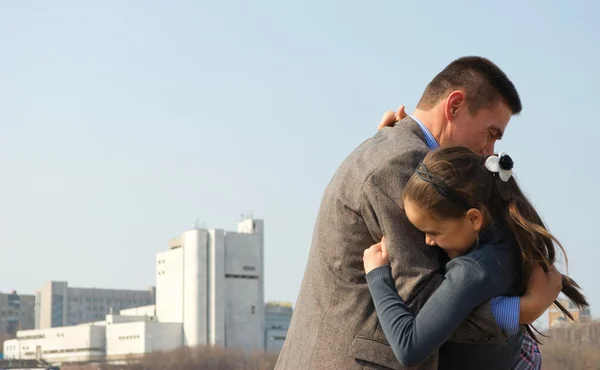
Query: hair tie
502,164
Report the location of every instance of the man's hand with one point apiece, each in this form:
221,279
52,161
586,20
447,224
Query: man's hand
376,256
542,290
390,118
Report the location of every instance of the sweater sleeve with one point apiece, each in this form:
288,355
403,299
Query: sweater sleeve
414,338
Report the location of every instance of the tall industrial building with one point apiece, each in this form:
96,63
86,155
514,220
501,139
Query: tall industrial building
212,282
209,291
57,304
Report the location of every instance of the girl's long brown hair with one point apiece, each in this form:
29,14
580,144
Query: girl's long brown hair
464,174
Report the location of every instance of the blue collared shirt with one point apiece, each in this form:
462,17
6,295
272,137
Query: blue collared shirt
506,310
429,139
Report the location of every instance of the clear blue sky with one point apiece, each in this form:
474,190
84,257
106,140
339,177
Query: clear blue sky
122,122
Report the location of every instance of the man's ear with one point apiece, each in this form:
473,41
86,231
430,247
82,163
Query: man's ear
455,104
475,217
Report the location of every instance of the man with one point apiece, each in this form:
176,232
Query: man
334,325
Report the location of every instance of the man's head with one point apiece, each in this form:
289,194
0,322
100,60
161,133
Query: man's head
471,101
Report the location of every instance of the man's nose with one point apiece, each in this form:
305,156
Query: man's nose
429,241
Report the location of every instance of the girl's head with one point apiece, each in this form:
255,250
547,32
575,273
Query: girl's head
451,198
454,193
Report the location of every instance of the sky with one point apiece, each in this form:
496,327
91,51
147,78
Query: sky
122,123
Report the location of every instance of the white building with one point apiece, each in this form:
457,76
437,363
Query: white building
57,304
82,343
118,336
133,339
209,291
212,277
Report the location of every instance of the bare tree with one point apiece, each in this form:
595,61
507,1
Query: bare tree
201,358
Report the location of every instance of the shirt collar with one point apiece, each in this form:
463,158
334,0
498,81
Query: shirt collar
429,139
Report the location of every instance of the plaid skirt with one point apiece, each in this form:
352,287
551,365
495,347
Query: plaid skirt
530,358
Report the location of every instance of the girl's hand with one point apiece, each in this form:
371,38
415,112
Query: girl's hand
376,256
390,118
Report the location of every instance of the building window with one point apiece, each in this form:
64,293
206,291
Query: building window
57,311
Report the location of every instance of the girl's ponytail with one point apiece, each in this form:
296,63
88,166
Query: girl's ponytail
536,243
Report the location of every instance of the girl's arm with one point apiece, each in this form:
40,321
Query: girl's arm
414,338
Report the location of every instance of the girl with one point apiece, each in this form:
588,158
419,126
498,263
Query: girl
473,209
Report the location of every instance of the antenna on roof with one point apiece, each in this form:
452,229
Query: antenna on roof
246,216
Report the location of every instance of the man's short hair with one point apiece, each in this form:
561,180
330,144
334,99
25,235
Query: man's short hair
483,83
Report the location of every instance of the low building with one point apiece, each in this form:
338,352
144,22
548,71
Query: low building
82,343
278,316
127,341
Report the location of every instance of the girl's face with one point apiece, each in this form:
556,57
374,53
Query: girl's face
454,235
